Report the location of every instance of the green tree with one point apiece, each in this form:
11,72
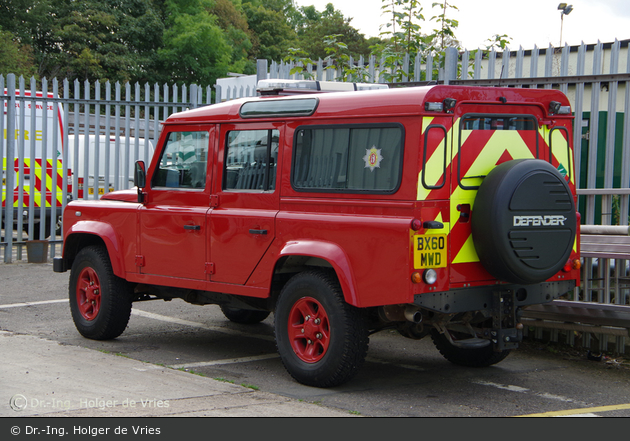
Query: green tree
16,58
195,48
113,40
30,23
273,34
444,36
317,26
233,21
402,35
338,58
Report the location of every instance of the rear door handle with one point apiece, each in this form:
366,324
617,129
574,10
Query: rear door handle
192,227
257,231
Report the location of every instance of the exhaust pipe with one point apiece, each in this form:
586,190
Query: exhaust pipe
413,314
400,313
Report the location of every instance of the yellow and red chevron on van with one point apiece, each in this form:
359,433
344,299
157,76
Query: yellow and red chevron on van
53,181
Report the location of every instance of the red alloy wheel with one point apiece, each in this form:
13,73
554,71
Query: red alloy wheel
88,293
309,330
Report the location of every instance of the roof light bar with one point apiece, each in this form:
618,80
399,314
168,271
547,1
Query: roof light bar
434,107
564,110
272,85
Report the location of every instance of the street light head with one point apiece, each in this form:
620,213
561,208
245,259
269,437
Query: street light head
566,9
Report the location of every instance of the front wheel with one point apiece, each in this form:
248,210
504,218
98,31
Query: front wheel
470,357
322,340
100,301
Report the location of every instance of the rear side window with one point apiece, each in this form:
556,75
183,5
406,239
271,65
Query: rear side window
348,158
251,160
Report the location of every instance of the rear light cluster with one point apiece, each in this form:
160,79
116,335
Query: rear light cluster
428,276
572,264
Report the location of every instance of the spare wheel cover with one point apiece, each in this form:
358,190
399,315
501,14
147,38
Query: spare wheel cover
524,221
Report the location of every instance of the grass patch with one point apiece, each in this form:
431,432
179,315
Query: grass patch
190,371
225,380
251,386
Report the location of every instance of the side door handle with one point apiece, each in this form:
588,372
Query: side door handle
257,231
192,227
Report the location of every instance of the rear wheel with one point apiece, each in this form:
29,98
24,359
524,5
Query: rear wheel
322,340
471,357
100,302
244,316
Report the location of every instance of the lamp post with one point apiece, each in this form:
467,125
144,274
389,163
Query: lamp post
566,10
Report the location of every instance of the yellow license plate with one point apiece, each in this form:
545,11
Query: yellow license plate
101,191
429,251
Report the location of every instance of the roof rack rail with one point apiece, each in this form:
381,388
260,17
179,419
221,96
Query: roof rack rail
292,87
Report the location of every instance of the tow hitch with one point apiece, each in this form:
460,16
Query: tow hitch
507,331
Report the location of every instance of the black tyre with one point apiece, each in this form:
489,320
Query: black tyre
524,221
244,316
100,302
322,340
478,357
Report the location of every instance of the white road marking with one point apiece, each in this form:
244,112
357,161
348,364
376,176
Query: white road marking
544,395
225,361
580,415
555,397
168,319
42,302
502,386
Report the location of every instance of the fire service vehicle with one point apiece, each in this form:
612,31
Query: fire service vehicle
438,211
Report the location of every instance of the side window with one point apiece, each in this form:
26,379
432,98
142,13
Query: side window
251,158
183,162
348,159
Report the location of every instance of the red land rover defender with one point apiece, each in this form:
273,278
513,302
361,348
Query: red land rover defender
439,210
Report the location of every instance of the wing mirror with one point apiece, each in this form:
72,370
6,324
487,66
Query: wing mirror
140,179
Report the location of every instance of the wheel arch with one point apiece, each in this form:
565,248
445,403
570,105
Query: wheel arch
311,253
86,233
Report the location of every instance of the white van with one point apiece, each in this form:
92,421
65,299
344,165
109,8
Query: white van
111,162
33,142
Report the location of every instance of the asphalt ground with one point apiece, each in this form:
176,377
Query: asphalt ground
199,363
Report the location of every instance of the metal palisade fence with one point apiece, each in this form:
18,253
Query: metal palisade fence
90,147
64,141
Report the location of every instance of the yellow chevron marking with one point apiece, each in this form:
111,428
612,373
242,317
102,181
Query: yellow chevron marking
426,122
434,166
561,152
501,141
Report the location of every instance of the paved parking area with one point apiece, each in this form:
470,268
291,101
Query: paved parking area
401,377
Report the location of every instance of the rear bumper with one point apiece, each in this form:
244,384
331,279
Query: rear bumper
481,298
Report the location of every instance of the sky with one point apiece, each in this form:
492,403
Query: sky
528,22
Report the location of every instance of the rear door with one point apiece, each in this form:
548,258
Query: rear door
243,219
484,137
